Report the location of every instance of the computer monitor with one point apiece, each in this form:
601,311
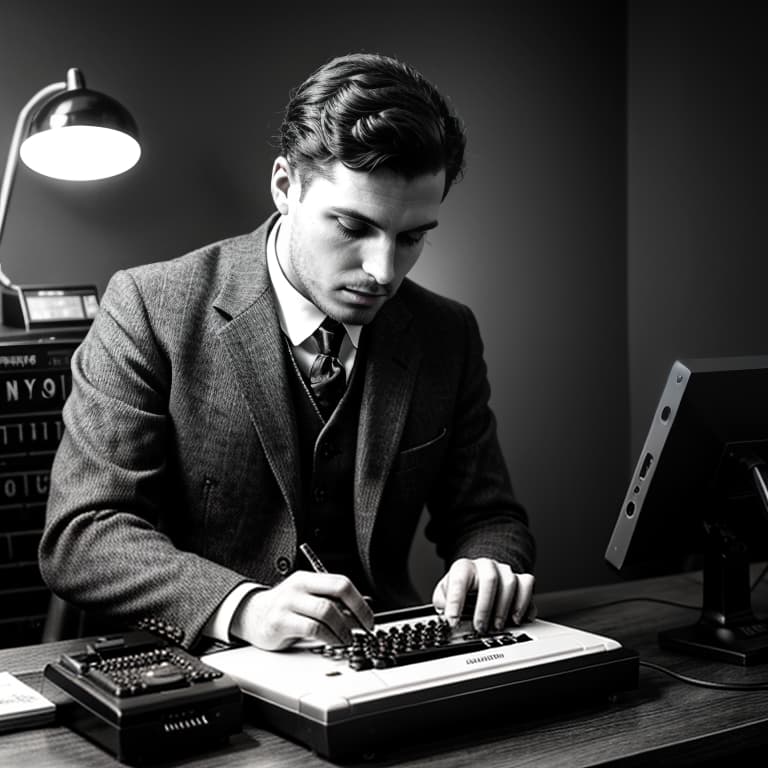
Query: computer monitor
698,497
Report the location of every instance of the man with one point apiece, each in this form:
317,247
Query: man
290,386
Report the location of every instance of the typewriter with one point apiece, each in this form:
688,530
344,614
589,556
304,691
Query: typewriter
414,676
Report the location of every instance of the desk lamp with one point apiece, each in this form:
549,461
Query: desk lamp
78,135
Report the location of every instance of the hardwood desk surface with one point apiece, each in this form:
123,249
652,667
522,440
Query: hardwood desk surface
663,722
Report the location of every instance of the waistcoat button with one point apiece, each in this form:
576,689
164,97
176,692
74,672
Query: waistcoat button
283,564
328,451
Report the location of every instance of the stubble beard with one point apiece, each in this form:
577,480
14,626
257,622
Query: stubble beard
311,291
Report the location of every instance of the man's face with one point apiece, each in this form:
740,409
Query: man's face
348,244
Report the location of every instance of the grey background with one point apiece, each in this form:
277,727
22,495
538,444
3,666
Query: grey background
697,202
609,220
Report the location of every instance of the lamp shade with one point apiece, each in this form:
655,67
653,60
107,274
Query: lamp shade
80,135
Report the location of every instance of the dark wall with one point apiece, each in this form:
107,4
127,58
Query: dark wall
698,165
533,238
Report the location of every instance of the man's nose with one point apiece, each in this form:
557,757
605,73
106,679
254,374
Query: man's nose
379,261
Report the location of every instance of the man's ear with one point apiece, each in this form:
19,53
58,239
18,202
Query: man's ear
282,180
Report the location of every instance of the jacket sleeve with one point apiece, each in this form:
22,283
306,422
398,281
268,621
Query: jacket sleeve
473,509
101,548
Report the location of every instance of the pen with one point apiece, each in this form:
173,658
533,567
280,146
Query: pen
318,567
314,560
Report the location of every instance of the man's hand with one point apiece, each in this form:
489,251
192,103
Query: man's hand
317,606
501,593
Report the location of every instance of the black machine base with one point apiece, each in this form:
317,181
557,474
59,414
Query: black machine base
728,629
504,699
746,644
140,732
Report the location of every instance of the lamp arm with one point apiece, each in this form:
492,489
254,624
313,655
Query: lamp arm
13,156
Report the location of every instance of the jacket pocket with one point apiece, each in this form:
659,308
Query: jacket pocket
436,439
416,455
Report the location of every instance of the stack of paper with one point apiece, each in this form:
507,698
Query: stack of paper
22,706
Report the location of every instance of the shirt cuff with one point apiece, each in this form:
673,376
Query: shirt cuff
217,626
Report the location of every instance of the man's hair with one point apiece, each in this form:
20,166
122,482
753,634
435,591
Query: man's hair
370,111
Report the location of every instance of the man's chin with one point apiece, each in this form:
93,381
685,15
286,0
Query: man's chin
356,316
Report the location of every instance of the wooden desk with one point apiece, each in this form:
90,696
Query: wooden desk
664,722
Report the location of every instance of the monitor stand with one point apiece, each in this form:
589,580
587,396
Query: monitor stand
728,630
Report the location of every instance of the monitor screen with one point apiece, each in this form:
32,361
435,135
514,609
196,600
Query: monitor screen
44,308
695,497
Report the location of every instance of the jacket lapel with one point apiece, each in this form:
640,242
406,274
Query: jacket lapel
256,349
254,343
392,363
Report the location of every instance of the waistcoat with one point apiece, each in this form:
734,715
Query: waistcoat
327,457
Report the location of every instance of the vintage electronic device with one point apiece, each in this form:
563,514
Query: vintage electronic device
698,498
46,307
35,381
142,698
414,676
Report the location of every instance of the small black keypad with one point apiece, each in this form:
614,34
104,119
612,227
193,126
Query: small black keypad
129,674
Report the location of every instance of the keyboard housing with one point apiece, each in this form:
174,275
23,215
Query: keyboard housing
339,711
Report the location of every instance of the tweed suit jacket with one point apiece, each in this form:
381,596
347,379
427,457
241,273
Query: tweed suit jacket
177,475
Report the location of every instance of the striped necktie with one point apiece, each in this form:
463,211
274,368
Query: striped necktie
327,376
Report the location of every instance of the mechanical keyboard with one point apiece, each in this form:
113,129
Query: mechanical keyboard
414,674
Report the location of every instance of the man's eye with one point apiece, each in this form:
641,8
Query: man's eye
349,229
412,238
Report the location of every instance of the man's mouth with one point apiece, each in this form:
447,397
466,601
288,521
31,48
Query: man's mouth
364,296
368,291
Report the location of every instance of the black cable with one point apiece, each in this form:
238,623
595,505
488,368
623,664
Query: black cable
762,686
661,600
705,683
627,600
642,598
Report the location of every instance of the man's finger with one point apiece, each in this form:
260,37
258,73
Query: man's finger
487,580
438,595
306,628
339,588
523,596
504,596
355,603
461,578
327,613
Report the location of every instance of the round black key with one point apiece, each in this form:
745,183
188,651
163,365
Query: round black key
165,675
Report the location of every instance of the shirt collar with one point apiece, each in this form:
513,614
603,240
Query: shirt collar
299,317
